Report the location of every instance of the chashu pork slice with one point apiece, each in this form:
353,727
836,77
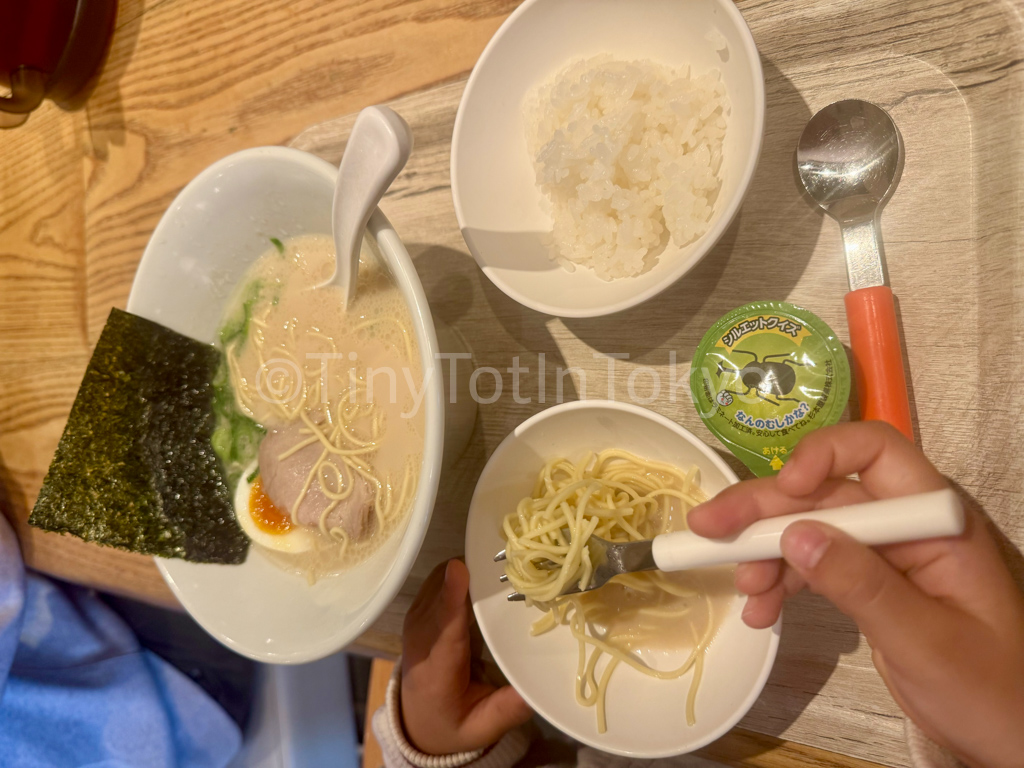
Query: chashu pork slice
283,480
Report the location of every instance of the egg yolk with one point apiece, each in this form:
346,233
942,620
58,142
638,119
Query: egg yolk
263,512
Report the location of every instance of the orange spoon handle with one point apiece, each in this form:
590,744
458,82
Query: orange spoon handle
878,357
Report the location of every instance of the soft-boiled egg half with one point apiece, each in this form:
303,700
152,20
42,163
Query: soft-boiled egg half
263,522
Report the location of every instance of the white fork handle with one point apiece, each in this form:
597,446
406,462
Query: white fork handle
922,516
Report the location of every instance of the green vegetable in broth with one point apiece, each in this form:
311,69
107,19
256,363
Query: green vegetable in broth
236,438
236,327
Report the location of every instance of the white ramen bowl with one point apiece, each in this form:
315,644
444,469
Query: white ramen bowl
646,717
212,232
498,204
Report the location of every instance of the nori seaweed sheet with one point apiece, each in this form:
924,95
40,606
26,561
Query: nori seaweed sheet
135,468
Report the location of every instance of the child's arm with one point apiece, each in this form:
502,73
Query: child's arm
443,710
944,618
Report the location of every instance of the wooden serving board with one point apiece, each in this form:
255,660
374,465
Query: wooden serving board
950,74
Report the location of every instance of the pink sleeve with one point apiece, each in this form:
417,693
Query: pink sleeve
399,753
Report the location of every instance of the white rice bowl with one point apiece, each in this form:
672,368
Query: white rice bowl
504,215
629,155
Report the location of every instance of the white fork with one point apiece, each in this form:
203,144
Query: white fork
908,518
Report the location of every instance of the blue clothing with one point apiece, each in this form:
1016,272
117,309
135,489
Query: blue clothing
77,689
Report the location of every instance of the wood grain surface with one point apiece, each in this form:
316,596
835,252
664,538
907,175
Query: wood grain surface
189,83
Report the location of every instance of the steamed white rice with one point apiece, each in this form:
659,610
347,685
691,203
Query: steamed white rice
629,155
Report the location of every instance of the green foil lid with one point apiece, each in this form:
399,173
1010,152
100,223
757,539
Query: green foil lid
764,376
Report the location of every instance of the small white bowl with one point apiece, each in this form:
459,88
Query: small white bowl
645,716
497,201
219,224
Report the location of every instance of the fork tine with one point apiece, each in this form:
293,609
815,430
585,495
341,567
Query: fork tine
500,556
515,597
503,578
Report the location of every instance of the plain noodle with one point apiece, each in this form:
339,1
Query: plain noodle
619,497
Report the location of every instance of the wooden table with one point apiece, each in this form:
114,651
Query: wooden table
188,83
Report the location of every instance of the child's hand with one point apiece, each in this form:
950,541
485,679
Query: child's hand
944,619
443,709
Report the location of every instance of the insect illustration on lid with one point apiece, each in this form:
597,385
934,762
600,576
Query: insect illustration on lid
768,379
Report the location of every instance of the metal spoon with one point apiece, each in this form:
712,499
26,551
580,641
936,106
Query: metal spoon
849,159
375,154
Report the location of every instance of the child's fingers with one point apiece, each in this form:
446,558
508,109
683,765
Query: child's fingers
420,629
763,610
757,577
451,649
733,509
493,716
739,505
888,464
886,606
436,632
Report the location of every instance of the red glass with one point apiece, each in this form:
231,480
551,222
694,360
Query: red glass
50,48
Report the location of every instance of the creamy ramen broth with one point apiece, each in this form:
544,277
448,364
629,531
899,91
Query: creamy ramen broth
340,397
